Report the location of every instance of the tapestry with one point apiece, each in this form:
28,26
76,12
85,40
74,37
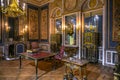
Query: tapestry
44,25
33,24
116,20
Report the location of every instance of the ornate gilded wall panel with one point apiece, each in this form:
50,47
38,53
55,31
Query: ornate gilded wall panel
55,4
116,20
92,4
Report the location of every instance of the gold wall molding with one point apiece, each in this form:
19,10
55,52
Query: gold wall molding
72,6
38,2
92,5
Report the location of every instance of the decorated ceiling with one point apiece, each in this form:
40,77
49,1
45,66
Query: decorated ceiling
38,2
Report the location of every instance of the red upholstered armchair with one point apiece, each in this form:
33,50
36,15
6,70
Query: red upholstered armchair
35,46
59,56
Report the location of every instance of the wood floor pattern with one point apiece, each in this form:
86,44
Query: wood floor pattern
9,70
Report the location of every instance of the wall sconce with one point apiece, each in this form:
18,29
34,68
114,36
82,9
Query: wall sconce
24,31
63,29
7,29
26,27
78,27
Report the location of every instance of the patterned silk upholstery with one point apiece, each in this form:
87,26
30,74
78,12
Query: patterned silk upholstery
58,57
34,45
20,48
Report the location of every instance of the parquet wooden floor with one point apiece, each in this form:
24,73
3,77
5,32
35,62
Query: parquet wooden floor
9,70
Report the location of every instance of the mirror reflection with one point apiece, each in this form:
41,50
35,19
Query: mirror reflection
56,39
93,24
70,30
58,26
12,28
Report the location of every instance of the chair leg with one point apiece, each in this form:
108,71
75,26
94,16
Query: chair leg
55,63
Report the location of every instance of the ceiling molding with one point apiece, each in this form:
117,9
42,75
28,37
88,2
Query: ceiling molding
38,2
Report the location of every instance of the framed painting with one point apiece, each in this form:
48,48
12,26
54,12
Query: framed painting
116,20
44,29
33,24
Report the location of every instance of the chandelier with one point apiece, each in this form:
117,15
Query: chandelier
13,9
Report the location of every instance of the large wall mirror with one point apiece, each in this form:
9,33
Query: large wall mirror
56,38
93,23
12,28
70,30
58,26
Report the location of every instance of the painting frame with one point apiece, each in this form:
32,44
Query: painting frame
44,24
116,21
33,17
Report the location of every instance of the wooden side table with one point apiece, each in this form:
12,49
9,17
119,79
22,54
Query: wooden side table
76,64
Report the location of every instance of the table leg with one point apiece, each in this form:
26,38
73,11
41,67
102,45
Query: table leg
20,61
80,72
36,66
54,64
85,75
66,70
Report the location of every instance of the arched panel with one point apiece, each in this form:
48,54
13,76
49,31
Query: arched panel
92,5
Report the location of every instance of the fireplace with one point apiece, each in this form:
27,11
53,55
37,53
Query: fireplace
13,49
